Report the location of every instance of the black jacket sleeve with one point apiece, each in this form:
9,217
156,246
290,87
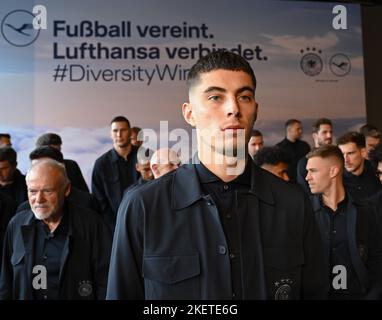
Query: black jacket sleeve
125,273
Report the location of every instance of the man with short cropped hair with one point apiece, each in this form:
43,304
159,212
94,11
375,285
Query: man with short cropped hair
359,176
5,140
220,227
352,242
256,142
322,133
372,137
115,171
294,146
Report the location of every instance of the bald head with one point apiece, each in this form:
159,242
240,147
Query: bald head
163,161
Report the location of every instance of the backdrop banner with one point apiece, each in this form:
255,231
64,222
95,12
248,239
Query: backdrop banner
70,66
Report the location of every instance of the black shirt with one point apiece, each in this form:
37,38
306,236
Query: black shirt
340,254
48,249
231,215
296,151
363,186
126,169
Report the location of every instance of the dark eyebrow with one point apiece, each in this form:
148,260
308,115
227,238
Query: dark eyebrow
245,89
209,89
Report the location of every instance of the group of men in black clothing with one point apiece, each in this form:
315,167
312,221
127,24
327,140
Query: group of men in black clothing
210,229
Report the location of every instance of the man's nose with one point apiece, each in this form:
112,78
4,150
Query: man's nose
39,198
232,107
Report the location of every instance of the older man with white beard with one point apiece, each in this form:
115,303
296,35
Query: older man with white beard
55,250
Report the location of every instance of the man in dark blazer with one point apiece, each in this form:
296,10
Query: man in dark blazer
12,181
55,250
294,146
221,228
351,239
115,171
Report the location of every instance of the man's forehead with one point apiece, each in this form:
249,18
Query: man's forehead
325,127
119,125
224,79
350,146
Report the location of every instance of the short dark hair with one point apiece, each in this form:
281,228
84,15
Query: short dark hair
354,137
271,155
219,59
46,152
48,139
319,122
256,133
290,122
368,130
375,155
8,154
120,119
136,129
327,151
5,135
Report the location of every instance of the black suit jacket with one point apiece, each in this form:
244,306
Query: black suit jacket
169,242
364,242
106,185
75,175
84,263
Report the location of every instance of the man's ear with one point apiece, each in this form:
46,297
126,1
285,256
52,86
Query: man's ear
154,169
68,188
334,171
187,111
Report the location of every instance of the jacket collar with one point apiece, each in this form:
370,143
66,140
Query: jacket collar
186,187
316,201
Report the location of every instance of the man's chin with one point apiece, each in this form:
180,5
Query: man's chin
41,215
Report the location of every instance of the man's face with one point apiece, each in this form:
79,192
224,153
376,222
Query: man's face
280,170
6,171
371,143
255,144
145,170
318,176
120,134
324,136
379,171
223,109
46,192
295,131
353,157
134,139
5,142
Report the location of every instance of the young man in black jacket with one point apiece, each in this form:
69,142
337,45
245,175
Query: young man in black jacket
221,227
